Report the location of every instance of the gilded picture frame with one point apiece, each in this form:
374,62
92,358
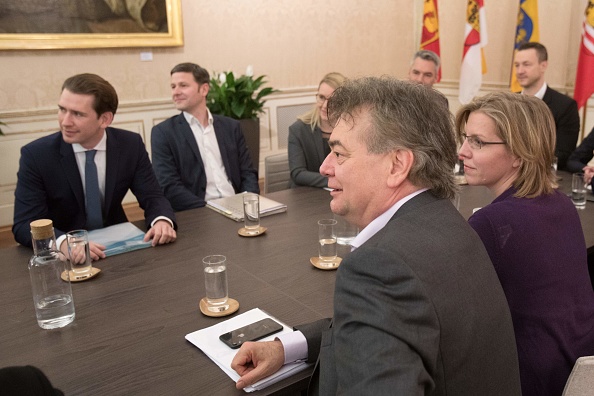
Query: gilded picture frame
172,37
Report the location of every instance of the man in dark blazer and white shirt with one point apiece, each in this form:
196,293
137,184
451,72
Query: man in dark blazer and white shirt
530,63
51,178
198,156
418,307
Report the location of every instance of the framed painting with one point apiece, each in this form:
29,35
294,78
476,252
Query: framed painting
64,24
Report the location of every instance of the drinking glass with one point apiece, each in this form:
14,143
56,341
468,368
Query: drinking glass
327,242
215,282
578,190
345,232
251,212
79,253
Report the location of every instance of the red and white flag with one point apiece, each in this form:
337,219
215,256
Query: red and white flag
584,78
430,33
473,59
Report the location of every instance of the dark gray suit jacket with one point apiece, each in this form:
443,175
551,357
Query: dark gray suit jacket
306,154
179,167
418,309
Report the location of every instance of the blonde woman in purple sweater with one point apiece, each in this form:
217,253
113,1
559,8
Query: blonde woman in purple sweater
532,233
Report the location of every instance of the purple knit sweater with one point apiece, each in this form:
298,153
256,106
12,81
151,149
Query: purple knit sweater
538,250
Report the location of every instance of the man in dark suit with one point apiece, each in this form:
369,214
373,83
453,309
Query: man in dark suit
198,156
530,63
52,171
418,307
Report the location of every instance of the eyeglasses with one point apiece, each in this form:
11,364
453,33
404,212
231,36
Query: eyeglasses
321,98
476,144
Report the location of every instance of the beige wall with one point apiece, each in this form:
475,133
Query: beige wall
293,42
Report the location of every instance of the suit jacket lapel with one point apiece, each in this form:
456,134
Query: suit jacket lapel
184,129
70,170
547,97
220,134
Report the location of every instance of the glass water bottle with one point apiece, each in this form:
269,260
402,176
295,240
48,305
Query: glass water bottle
52,292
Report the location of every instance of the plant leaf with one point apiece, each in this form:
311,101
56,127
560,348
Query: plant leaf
238,97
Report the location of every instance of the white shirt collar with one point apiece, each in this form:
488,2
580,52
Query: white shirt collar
101,146
541,91
189,117
380,222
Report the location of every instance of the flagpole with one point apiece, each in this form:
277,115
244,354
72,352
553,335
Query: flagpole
583,121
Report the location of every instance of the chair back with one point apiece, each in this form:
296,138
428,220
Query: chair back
581,379
276,173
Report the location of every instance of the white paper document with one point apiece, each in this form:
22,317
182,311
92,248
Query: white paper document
119,238
208,341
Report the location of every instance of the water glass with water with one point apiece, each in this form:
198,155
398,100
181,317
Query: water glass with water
215,282
80,255
578,190
345,231
251,212
327,241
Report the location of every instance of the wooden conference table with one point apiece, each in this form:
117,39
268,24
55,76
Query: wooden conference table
128,335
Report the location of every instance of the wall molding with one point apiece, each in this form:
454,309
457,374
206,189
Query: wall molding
24,126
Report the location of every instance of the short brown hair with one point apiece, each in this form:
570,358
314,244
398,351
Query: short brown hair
106,98
526,125
541,50
200,74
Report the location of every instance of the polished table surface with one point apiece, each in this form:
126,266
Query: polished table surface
128,335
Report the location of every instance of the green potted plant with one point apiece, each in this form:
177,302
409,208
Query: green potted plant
242,99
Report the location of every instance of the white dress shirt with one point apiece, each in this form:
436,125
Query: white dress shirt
217,182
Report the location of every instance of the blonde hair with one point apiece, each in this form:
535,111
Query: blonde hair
526,125
312,117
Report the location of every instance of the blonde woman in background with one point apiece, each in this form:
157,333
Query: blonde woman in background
308,137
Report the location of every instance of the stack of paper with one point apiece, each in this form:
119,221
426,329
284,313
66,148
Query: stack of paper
208,341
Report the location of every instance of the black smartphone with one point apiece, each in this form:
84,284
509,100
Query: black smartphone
251,332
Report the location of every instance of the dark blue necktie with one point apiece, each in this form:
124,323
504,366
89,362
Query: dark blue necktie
93,194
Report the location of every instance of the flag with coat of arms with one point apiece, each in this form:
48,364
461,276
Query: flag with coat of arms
473,58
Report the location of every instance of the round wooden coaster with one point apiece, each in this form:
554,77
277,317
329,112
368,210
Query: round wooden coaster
80,278
232,307
249,233
460,179
315,261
